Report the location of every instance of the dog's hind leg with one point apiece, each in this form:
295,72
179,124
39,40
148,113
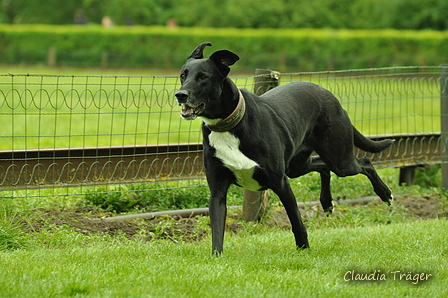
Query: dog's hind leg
298,168
380,188
353,166
284,192
335,143
326,199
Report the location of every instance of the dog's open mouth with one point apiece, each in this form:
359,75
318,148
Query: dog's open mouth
191,113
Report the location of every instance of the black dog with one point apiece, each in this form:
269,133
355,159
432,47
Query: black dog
257,142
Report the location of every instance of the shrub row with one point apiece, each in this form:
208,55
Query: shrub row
341,14
280,49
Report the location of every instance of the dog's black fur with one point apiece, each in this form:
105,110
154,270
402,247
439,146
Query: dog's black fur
274,139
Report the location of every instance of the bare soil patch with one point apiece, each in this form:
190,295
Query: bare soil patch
89,220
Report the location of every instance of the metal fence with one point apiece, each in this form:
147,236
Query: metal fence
90,131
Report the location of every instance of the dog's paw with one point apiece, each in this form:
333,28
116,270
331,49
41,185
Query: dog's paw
391,199
329,210
303,246
385,195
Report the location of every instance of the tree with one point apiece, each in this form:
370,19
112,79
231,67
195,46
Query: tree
42,12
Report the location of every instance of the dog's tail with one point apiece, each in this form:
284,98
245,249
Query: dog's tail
369,145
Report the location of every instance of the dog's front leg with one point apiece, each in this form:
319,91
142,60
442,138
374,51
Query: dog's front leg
218,213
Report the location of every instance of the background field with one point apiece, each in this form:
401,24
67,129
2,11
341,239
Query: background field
83,111
54,111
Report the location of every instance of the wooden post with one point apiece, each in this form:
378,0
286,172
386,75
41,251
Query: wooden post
407,175
255,202
265,80
444,124
52,56
104,59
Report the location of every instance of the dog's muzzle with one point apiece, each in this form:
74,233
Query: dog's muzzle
189,111
182,96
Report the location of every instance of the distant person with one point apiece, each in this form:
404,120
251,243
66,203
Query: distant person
171,23
107,22
129,22
80,18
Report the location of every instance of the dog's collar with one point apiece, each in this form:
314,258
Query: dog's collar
233,119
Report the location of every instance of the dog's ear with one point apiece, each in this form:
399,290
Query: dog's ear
223,59
197,53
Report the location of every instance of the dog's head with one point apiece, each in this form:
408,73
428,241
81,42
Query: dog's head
202,81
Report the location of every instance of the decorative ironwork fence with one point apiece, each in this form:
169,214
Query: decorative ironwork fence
61,131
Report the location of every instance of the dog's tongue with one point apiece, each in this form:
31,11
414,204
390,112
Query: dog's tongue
186,110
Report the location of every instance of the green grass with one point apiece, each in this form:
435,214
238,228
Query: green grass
10,227
259,261
255,264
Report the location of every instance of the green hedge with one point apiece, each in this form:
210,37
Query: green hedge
280,49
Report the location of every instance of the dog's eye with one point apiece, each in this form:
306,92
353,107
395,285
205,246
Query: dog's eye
203,77
182,76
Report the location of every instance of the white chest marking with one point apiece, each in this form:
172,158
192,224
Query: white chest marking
227,150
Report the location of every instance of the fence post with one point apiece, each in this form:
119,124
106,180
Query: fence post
444,123
52,56
255,202
407,175
104,59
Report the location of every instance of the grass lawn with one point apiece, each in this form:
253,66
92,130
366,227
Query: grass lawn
257,263
365,241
